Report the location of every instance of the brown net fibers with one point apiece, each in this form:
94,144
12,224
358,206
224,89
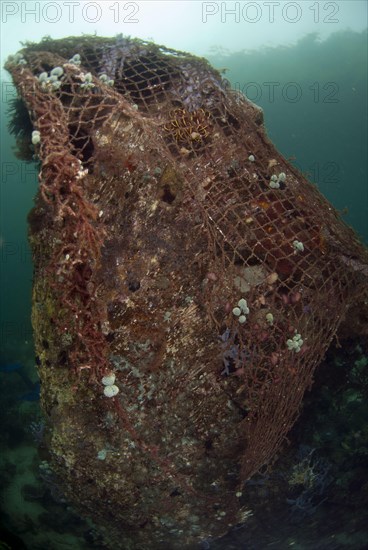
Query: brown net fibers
178,252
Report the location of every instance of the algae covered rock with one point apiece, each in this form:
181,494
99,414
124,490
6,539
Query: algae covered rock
188,280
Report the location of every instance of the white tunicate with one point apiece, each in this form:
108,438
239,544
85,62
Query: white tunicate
75,59
236,311
242,319
87,85
298,246
295,344
251,158
43,77
109,379
111,391
274,184
57,71
282,176
19,59
269,318
36,137
243,305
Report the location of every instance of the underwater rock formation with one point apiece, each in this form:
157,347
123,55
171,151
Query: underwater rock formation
188,280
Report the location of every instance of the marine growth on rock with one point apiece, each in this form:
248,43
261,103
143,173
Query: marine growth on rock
181,302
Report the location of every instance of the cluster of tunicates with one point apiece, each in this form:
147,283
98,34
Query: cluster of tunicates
51,81
276,180
110,389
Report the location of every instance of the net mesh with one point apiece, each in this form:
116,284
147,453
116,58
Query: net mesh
151,164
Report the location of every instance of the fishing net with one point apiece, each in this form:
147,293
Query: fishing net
188,280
